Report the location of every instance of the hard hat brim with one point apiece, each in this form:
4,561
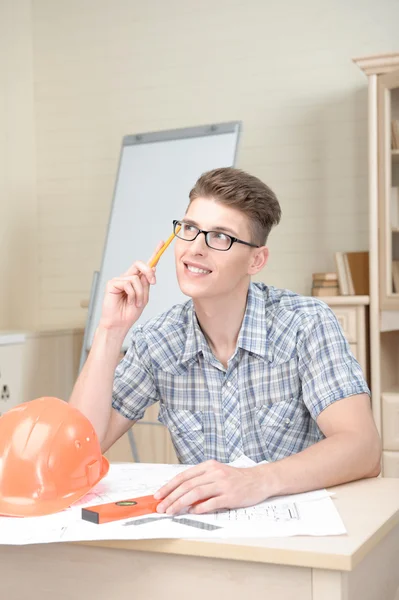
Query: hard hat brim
40,507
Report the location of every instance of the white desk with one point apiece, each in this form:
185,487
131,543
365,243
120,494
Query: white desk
364,565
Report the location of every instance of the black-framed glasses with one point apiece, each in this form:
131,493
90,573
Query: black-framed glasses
217,240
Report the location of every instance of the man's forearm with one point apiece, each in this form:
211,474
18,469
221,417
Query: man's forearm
92,393
337,459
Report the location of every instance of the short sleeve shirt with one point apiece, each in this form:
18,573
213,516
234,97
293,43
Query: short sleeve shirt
291,361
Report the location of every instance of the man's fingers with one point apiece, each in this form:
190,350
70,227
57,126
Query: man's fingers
132,270
117,285
207,506
191,489
146,289
129,291
140,268
179,480
157,249
135,287
196,496
138,290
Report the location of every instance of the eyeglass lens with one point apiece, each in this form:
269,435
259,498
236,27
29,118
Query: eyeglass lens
215,239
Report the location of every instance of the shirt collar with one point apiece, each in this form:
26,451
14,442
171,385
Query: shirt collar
252,336
253,332
194,344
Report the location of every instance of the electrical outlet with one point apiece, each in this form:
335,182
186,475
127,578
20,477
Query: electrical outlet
5,393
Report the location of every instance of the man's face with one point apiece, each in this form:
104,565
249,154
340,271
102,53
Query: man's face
224,271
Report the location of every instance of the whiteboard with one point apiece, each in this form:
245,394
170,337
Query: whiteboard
155,175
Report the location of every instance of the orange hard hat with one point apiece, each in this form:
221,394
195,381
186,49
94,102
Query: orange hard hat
50,457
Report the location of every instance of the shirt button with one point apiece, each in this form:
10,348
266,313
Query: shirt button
287,422
228,384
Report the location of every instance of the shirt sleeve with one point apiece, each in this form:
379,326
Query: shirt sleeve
134,388
327,367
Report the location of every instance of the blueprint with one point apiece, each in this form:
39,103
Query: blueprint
311,513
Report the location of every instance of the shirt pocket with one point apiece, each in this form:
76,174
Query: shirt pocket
183,392
285,427
187,432
264,383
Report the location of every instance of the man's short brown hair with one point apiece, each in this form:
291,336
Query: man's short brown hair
244,192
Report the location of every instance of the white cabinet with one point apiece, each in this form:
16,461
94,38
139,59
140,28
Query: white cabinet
383,107
390,420
346,315
390,464
351,313
35,364
51,363
12,347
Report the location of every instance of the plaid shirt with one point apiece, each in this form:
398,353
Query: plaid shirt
291,362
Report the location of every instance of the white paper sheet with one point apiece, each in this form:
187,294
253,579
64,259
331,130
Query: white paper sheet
311,513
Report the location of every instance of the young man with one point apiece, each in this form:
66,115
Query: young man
241,368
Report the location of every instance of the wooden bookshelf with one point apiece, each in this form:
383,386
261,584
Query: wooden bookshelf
383,110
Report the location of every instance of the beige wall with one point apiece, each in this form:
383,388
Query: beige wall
18,204
106,68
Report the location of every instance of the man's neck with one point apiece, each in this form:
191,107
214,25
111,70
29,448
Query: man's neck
220,320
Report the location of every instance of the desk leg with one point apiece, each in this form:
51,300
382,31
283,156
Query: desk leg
328,585
374,577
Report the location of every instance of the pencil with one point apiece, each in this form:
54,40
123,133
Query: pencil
158,255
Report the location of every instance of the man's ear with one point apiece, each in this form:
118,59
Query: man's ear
258,260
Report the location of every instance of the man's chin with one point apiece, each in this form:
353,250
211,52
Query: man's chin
193,291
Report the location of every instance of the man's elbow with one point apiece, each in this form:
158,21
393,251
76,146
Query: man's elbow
375,472
374,456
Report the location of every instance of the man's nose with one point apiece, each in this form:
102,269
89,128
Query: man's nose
198,246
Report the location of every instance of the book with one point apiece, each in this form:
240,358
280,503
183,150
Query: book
333,277
318,283
359,271
351,287
325,291
342,274
353,273
325,284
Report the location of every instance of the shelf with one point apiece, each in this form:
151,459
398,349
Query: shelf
394,391
395,156
389,319
344,300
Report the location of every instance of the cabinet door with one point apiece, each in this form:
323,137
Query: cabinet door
353,322
390,464
11,374
390,421
346,316
388,178
354,351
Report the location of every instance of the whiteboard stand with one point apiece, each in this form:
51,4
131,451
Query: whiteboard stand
153,167
133,445
85,346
